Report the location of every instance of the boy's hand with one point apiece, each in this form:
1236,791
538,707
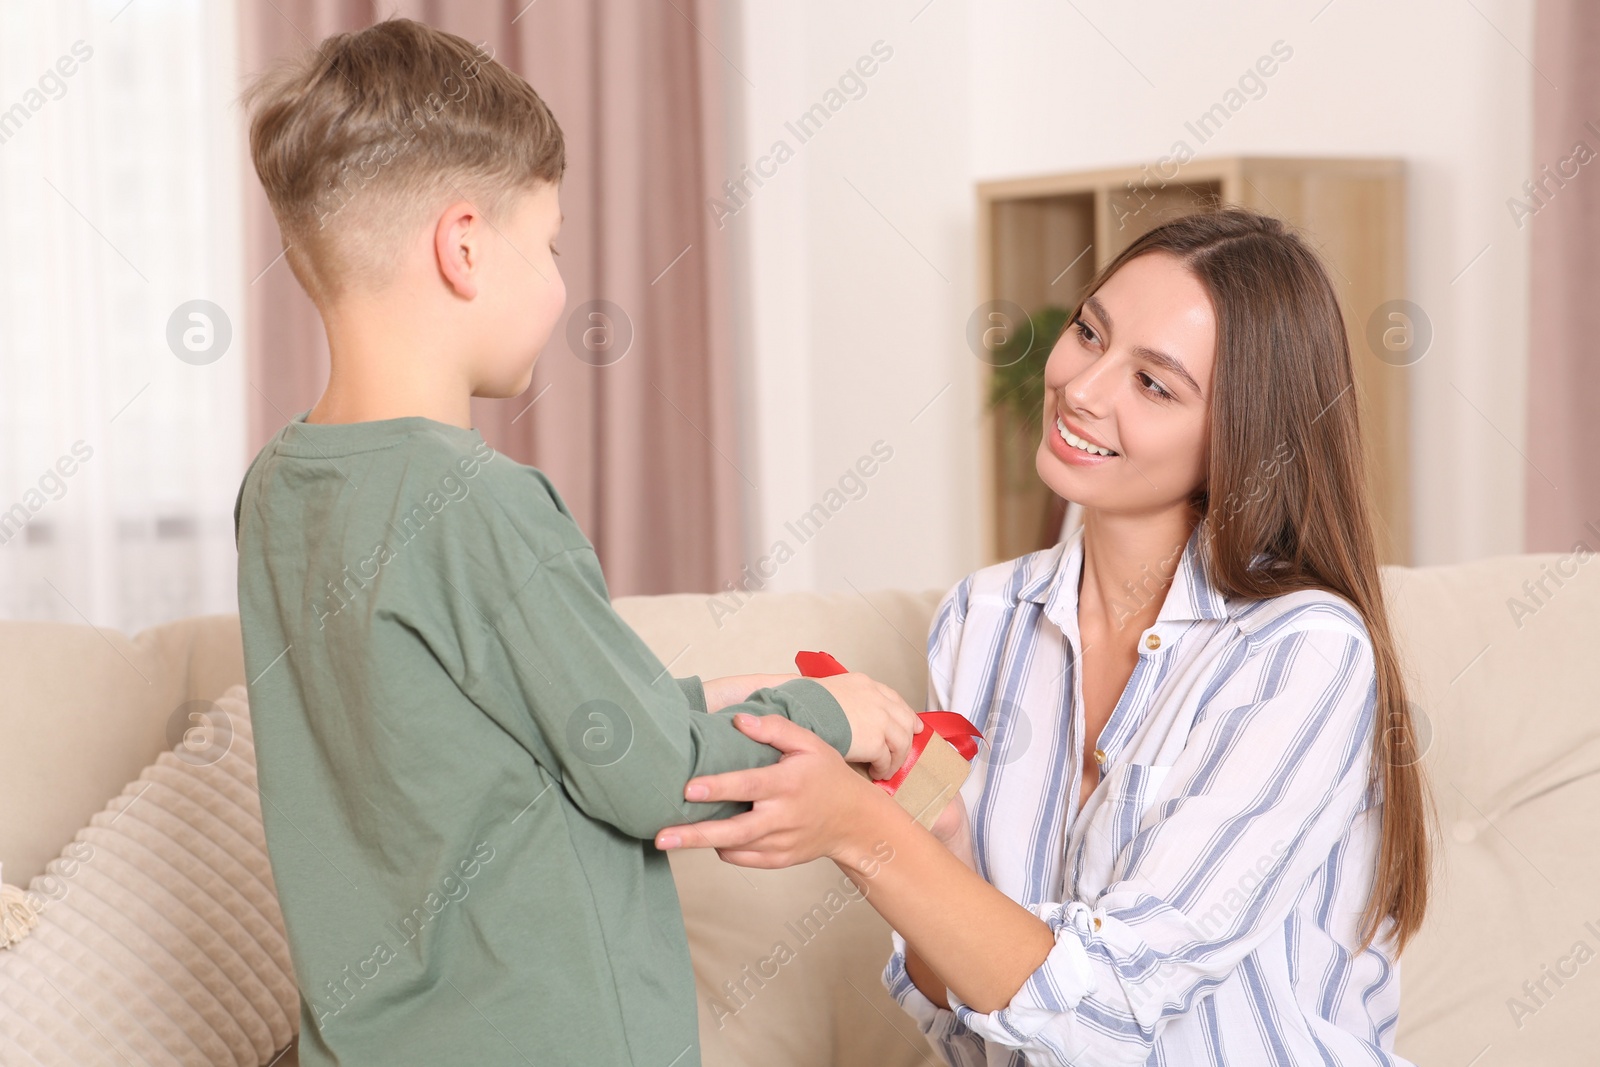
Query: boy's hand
881,722
720,692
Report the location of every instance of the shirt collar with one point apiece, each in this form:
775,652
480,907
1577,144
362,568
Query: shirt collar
1191,595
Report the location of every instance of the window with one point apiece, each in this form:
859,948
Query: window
122,382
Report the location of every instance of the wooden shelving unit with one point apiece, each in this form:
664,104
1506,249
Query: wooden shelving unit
1041,239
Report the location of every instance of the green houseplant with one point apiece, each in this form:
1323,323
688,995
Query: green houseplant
1016,397
1017,385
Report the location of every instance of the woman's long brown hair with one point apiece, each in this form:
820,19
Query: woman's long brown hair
1283,380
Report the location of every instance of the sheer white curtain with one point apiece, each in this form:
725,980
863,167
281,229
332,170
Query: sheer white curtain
121,413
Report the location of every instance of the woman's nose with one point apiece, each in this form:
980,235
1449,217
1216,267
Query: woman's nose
1088,391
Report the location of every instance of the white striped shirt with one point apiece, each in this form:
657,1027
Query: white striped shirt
1205,901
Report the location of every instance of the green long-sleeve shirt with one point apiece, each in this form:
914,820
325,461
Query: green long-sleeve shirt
464,756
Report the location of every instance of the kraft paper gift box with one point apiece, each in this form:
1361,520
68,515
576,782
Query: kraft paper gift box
934,780
938,773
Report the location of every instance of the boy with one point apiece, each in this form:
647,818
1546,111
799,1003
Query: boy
464,754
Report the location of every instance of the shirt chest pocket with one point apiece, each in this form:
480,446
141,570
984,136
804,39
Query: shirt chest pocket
1110,823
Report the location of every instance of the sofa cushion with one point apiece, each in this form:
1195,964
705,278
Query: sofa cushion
159,940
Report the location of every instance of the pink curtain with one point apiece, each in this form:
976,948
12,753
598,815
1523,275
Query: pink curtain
642,447
1563,497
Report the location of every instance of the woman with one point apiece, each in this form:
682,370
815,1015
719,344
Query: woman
1198,832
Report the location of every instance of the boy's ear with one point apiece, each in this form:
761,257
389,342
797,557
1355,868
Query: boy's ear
458,247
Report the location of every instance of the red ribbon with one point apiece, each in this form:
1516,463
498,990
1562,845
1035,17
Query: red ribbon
952,726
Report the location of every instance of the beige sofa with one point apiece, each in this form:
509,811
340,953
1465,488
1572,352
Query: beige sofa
1508,696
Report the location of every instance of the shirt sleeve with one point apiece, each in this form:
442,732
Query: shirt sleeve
958,1044
694,691
620,734
1274,771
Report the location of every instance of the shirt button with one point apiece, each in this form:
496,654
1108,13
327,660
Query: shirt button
1100,756
1152,641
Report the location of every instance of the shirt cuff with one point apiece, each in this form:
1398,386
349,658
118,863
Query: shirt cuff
812,706
694,691
1064,978
937,1023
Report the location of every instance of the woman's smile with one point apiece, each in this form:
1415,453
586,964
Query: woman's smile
1079,447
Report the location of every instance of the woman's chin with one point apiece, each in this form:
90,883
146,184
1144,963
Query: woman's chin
1060,478
1074,483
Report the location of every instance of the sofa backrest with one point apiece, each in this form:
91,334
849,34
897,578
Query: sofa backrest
1505,658
84,710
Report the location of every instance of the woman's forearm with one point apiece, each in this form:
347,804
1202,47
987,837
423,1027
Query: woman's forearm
961,926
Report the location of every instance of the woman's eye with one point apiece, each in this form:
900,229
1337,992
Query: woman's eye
1084,331
1154,387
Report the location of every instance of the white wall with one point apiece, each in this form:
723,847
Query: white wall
858,296
860,277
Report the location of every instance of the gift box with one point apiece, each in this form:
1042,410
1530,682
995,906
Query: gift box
940,757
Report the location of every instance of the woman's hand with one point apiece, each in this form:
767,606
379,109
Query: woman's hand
720,692
809,804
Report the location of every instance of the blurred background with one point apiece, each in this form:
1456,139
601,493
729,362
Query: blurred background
814,253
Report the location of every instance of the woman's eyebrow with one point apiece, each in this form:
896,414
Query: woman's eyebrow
1152,355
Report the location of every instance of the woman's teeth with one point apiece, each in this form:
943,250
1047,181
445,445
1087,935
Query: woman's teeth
1079,443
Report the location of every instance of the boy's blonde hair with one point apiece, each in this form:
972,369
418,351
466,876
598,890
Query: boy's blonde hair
360,140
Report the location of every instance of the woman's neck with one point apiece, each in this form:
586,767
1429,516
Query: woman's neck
1128,564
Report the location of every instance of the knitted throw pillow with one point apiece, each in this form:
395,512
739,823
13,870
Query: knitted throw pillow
156,936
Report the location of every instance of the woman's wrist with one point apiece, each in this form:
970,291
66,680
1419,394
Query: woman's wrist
871,817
